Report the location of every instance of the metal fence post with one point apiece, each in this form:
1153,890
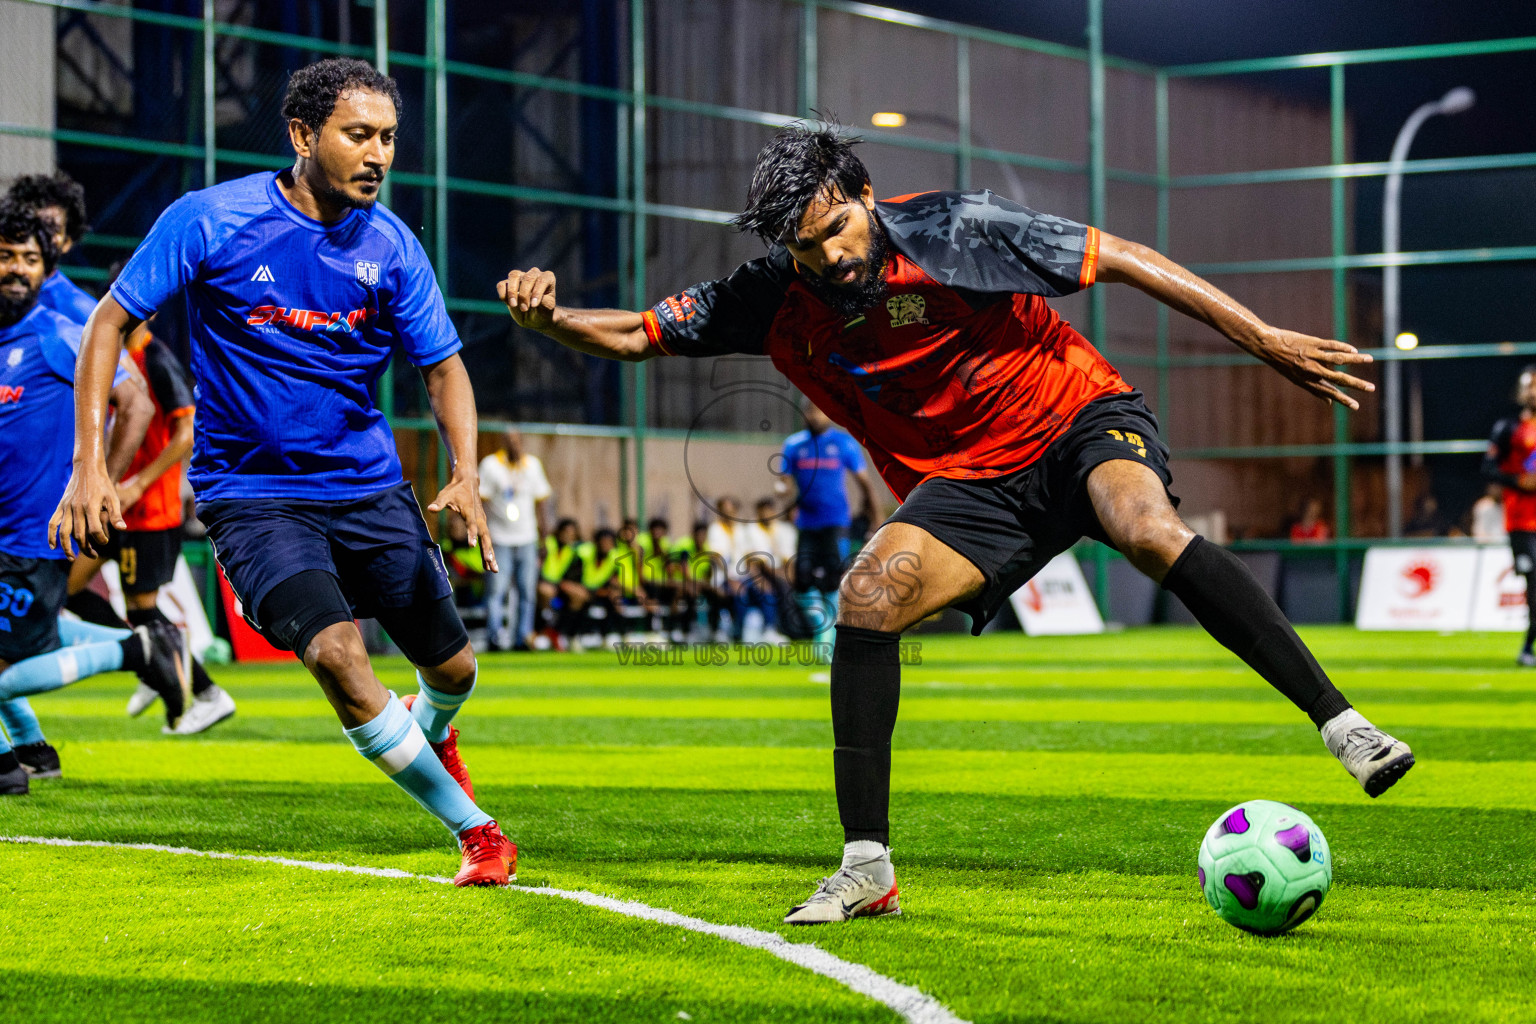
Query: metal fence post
1341,464
638,234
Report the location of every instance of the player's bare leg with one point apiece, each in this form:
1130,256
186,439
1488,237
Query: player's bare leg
384,732
902,576
1225,598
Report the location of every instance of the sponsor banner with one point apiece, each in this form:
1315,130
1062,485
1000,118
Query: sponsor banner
1057,601
1417,588
1498,603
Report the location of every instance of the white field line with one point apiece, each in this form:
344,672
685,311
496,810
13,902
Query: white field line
907,1001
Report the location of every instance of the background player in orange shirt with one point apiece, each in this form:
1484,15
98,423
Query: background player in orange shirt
918,324
1511,461
146,553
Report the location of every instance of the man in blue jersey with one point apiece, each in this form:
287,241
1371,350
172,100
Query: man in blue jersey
38,651
297,289
60,201
817,460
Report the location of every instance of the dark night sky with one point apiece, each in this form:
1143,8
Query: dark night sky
1445,305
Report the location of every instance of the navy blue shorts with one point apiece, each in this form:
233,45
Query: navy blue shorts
32,592
377,547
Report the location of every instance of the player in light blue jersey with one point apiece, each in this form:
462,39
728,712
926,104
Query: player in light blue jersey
819,460
60,201
297,289
38,651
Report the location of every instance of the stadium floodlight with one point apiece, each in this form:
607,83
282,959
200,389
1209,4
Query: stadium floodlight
1456,101
888,119
1407,341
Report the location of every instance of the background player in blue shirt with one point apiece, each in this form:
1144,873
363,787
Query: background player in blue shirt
37,368
297,289
60,201
817,460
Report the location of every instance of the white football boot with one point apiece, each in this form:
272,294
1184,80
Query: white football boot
141,700
865,886
207,710
1370,755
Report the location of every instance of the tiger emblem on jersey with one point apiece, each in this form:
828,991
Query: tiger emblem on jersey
906,309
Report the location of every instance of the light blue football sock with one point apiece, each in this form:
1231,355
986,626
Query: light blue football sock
828,634
21,722
434,710
811,610
60,668
73,631
394,742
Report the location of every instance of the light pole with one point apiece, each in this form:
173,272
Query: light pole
1453,102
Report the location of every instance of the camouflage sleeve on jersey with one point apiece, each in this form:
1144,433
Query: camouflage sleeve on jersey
1498,451
981,242
730,315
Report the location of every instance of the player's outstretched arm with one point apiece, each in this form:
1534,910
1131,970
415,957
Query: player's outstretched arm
609,333
1307,361
453,403
89,507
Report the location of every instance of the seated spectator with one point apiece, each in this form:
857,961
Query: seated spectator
561,593
1311,528
1428,520
1488,515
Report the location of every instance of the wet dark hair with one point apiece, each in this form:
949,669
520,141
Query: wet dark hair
800,163
313,90
19,222
38,191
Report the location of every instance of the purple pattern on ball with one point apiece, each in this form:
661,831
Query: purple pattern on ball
1245,888
1202,877
1235,823
1298,840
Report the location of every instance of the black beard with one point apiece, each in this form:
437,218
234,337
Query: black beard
851,300
12,310
343,199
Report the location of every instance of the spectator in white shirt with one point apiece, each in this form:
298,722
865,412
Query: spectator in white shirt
514,488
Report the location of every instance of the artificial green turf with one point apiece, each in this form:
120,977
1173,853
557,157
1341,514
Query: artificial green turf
1049,797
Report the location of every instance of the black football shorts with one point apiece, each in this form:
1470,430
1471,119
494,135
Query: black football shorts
1010,526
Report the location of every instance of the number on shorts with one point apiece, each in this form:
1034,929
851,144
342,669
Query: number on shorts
1132,439
15,600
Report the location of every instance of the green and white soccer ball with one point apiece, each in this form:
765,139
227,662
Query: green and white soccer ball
1265,867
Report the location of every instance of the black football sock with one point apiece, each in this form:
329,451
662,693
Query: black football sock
95,609
1228,601
866,690
134,659
201,681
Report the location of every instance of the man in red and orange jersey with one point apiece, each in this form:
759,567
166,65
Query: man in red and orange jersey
1511,461
920,325
146,552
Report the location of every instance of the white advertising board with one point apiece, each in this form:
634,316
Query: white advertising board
1057,601
1498,603
1417,588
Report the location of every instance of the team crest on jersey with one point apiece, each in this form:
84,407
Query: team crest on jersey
367,273
906,309
14,359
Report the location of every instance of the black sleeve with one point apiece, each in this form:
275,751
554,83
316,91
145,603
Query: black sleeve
984,243
1498,451
172,388
716,318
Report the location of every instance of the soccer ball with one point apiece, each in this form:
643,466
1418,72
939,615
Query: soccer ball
1265,867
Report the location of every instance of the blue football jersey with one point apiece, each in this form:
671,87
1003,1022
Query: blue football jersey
37,426
816,462
291,323
66,298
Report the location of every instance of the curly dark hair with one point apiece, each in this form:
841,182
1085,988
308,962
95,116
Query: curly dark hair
313,90
19,222
39,191
799,164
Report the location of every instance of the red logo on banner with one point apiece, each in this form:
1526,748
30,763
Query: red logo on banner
1420,578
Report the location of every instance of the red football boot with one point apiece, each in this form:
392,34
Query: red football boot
448,753
490,858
